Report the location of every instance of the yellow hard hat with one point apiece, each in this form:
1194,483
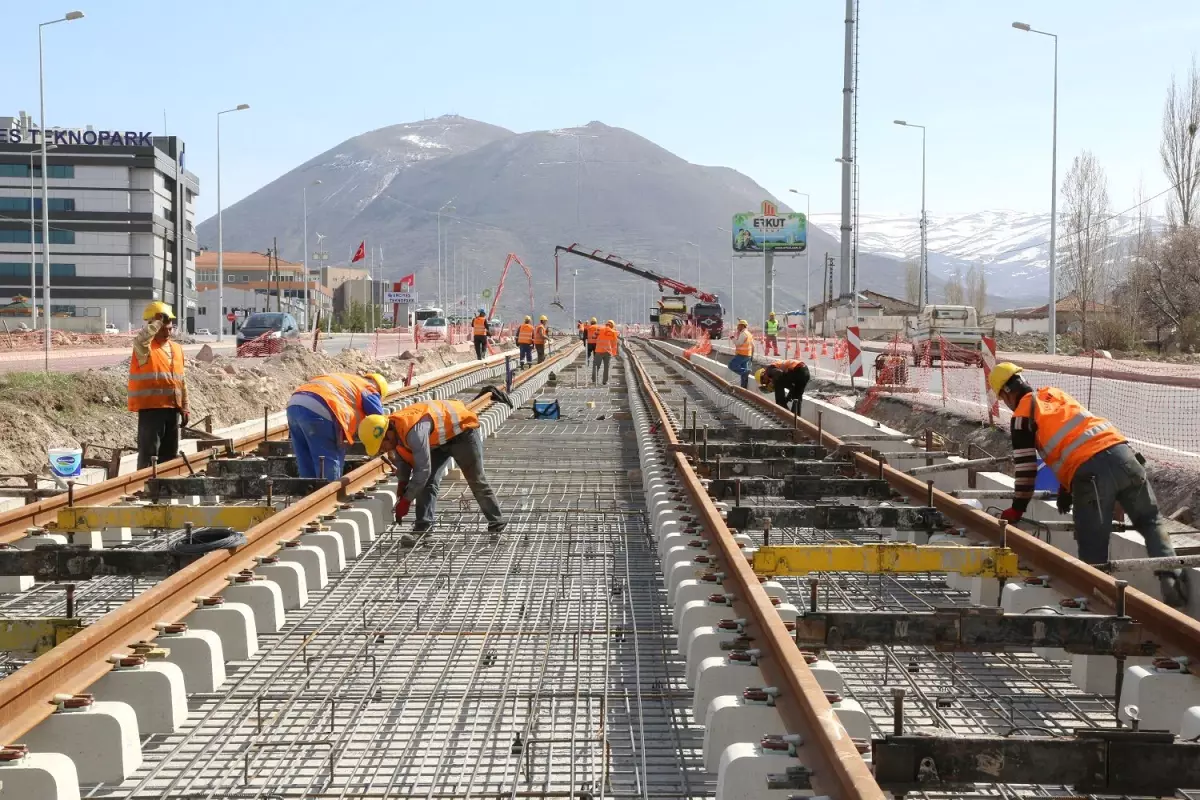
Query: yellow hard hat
743,322
593,320
543,318
764,380
771,314
156,308
611,324
380,381
1001,374
371,432
528,318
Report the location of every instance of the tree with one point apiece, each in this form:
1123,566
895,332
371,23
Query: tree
353,318
1086,272
912,282
975,293
1179,150
955,293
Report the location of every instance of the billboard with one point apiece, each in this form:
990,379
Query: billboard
767,229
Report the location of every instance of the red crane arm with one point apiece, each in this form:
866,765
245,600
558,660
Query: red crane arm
611,260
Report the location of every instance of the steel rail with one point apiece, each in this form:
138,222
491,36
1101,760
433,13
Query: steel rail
838,769
25,695
14,524
1172,628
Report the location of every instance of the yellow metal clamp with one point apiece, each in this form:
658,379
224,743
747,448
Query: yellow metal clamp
162,517
889,557
36,636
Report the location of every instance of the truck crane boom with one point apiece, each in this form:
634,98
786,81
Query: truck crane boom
508,262
678,287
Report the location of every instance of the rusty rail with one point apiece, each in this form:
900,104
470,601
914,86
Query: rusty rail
838,769
1172,628
77,663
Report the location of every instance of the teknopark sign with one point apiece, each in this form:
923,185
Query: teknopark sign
769,230
78,136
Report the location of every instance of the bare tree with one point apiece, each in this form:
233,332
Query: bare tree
912,282
1179,150
1086,272
955,293
975,292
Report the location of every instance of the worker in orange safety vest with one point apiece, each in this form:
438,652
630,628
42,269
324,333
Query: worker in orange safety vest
606,348
1095,466
479,333
743,348
541,337
156,387
525,343
593,333
323,416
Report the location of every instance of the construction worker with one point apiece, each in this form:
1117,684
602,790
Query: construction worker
606,348
323,417
788,379
541,335
743,348
593,332
1095,467
157,390
771,332
525,342
418,440
479,333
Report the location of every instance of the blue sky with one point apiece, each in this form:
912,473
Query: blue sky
756,87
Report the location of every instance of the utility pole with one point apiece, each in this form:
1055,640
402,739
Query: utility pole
275,253
847,159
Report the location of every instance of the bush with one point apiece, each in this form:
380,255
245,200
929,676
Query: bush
1112,332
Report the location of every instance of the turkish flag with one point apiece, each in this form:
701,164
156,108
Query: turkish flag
407,282
360,253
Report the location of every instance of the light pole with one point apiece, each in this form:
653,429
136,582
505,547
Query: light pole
221,232
923,274
445,207
1021,26
693,244
574,274
807,259
304,193
69,17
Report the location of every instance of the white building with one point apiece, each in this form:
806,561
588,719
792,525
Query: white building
254,282
121,218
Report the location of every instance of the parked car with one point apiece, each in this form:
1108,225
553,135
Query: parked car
279,325
434,329
204,332
110,329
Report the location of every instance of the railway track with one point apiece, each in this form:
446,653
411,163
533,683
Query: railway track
617,641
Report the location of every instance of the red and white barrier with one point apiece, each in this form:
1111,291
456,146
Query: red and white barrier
855,346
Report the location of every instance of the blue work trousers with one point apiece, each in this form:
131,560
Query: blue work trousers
526,353
741,365
314,437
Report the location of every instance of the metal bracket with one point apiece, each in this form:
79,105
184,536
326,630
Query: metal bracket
78,562
35,635
160,517
887,557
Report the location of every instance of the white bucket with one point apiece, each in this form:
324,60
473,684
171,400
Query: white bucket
66,462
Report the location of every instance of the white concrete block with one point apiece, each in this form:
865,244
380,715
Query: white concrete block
263,597
39,776
691,590
348,530
364,519
984,591
373,504
155,691
775,589
289,577
331,544
102,740
686,570
114,536
234,623
1098,674
15,584
704,643
92,539
743,770
853,718
1159,695
730,720
1189,725
311,559
700,613
719,676
199,655
1021,598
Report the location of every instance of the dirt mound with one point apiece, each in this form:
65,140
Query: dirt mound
40,410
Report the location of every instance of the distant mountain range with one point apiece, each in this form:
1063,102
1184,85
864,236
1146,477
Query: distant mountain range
502,192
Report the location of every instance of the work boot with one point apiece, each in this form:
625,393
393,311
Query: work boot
497,527
420,532
1175,587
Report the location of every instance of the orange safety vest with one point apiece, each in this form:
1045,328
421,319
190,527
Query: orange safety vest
744,344
159,382
525,333
1066,433
539,334
789,365
343,394
606,342
450,418
479,326
593,332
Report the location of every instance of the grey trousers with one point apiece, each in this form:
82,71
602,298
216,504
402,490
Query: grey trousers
597,360
1104,479
467,451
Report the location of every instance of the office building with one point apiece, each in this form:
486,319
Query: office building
253,282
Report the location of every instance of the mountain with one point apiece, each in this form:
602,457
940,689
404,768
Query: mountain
1011,246
604,187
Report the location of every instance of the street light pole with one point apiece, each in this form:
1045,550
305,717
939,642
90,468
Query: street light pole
1053,304
693,244
807,259
221,232
304,192
923,269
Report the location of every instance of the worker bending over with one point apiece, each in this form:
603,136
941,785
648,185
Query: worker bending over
418,440
157,391
323,417
743,348
771,334
525,342
1095,467
788,379
593,333
479,334
541,336
606,348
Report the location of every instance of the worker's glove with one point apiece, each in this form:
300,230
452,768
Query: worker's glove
184,418
402,502
1011,515
1064,501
